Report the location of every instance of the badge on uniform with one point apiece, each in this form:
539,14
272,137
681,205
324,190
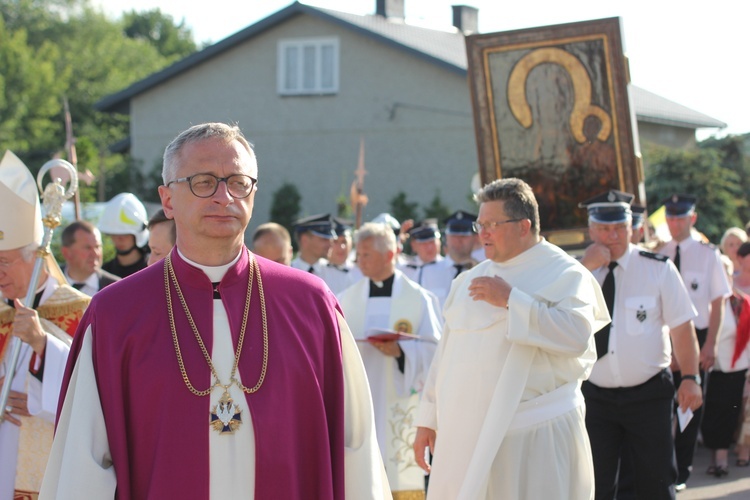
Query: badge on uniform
641,314
694,285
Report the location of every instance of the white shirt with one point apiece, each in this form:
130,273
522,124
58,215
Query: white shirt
725,344
317,266
90,285
437,278
702,273
338,279
648,295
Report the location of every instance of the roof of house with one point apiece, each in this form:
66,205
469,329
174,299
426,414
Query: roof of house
444,48
653,108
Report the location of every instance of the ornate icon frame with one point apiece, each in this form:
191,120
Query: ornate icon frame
551,106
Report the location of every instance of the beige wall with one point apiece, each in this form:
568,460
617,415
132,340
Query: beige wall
313,141
663,135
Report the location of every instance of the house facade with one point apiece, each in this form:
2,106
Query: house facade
306,85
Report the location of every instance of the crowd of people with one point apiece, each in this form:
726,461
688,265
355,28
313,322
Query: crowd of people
485,362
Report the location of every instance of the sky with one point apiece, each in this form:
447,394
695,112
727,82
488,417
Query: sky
690,52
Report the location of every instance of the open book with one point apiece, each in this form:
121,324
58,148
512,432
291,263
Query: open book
383,334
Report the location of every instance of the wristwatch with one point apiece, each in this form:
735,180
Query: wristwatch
695,378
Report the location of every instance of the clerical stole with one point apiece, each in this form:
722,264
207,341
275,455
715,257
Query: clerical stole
394,424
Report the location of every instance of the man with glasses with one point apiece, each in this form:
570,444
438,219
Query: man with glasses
629,394
233,373
44,326
502,410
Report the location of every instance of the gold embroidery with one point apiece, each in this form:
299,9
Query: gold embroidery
63,309
64,301
408,495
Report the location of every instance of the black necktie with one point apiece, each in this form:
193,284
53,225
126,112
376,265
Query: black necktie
608,289
311,270
78,286
459,268
677,257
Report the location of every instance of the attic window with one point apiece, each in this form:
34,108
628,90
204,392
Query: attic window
308,66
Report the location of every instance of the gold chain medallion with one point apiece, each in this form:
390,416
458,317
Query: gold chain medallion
226,416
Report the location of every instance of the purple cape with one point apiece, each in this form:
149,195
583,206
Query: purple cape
158,430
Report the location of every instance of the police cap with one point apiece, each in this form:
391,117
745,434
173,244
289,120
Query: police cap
460,223
319,225
611,207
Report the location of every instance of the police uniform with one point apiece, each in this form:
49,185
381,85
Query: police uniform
460,223
435,276
339,278
705,279
629,394
319,225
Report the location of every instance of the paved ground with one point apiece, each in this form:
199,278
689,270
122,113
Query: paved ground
735,486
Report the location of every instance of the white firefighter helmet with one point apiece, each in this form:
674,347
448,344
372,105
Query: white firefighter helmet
125,214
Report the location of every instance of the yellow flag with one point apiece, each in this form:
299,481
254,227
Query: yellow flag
658,221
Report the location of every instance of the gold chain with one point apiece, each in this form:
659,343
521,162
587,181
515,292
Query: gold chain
253,269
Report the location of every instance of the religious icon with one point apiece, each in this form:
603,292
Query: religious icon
403,326
551,107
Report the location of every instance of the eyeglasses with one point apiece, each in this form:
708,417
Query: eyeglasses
491,226
205,185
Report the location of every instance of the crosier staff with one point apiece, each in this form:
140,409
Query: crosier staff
53,197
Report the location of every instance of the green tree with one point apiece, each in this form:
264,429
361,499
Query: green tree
701,174
285,206
436,209
173,41
734,156
56,48
402,209
27,108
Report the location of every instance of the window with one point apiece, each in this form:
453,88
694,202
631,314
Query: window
308,66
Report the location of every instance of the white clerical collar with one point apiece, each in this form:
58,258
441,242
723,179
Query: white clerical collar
214,273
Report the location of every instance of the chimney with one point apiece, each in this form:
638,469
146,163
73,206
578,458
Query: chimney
390,9
466,19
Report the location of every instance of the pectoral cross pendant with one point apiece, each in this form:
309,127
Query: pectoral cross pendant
226,416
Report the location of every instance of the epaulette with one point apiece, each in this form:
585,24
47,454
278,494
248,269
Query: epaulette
708,244
412,266
655,256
